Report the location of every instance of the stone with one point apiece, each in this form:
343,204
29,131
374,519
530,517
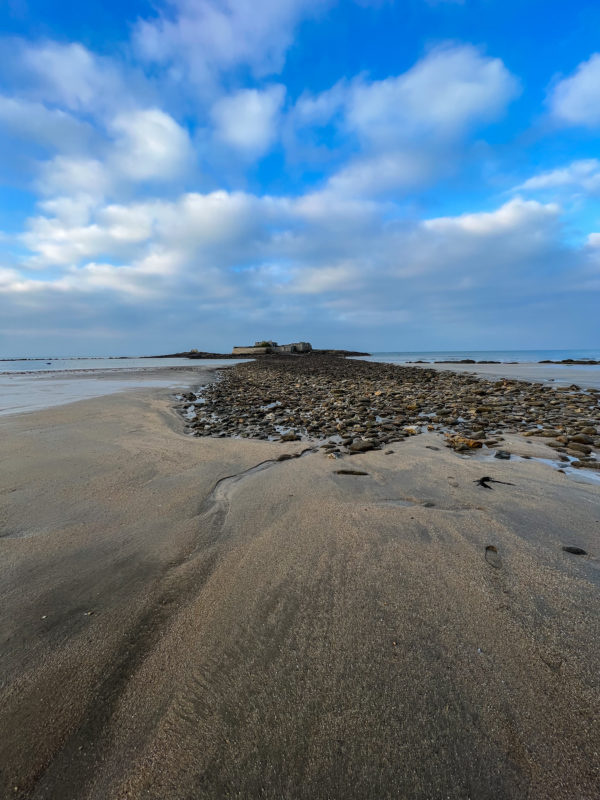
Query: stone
361,446
350,472
579,448
581,438
462,443
318,396
576,551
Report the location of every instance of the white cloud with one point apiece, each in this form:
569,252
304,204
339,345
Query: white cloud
517,214
219,226
205,37
239,256
338,278
9,278
72,210
72,176
143,280
150,145
248,120
147,145
449,90
593,240
303,246
379,174
576,100
582,175
50,127
57,243
71,76
410,127
319,109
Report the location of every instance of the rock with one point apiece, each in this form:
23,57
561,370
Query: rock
586,465
579,448
318,396
290,436
350,472
576,551
581,438
462,443
361,446
575,453
504,455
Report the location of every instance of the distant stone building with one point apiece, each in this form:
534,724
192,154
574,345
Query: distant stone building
295,347
264,347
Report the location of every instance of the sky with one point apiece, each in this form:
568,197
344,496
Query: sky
363,174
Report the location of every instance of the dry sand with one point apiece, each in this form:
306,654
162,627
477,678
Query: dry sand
291,633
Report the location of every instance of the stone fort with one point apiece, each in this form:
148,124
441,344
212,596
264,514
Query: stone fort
264,347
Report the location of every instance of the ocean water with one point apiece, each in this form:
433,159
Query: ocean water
64,364
394,357
34,385
505,356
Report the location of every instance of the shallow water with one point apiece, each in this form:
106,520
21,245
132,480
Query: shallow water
79,364
80,379
20,393
505,356
585,376
580,475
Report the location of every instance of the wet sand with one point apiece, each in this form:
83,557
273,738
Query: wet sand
560,374
169,631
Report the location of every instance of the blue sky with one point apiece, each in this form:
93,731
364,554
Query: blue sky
367,174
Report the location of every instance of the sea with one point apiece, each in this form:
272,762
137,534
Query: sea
394,357
505,356
33,384
110,363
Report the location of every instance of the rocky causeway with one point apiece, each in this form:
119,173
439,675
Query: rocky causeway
353,406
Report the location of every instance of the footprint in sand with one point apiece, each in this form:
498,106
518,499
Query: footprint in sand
492,556
452,481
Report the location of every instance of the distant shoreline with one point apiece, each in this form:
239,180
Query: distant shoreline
590,362
343,353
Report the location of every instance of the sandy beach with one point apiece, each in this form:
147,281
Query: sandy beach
192,618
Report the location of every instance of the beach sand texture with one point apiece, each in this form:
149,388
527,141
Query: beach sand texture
289,632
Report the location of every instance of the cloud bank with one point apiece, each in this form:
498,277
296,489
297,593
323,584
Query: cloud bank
187,191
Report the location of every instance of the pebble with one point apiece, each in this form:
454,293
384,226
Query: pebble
363,405
576,551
